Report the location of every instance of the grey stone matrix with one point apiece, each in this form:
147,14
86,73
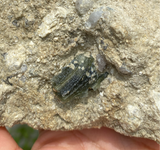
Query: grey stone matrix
38,38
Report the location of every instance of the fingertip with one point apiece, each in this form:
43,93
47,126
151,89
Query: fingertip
6,141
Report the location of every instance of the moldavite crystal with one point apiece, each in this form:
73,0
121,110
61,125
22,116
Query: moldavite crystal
76,78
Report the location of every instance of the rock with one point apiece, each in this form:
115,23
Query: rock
38,39
14,59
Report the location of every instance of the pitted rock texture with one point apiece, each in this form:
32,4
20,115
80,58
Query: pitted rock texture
39,38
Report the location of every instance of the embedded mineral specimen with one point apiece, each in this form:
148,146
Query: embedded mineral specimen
101,61
83,6
75,79
94,18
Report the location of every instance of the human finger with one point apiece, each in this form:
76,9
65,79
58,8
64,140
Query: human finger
87,139
6,141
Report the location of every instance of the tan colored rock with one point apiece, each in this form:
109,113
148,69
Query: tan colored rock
35,44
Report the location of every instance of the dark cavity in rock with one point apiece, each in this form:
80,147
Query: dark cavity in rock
75,79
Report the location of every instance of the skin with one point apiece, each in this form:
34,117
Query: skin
87,139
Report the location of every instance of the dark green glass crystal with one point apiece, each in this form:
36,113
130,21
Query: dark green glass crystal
76,78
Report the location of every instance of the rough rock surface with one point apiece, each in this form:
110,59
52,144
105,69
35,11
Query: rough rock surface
38,38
